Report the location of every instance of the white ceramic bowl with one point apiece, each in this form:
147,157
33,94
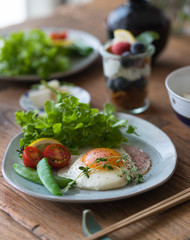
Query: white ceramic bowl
178,86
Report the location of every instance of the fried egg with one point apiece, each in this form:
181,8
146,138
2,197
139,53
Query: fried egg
100,178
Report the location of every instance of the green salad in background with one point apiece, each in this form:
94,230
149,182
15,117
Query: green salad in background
34,53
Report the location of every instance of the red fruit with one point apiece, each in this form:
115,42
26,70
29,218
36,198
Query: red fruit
31,156
58,35
57,155
120,47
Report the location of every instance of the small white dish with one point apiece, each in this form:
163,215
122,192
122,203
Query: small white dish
83,96
151,140
178,85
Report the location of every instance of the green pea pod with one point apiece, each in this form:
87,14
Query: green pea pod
32,175
46,176
61,181
26,172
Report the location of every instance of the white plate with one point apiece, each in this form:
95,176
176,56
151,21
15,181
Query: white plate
151,139
83,96
76,66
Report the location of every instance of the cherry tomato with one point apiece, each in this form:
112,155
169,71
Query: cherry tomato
57,155
31,156
58,35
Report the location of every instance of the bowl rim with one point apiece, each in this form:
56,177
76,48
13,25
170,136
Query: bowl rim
169,77
102,50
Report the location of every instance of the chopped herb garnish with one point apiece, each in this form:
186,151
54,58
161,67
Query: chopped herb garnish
20,151
69,185
100,160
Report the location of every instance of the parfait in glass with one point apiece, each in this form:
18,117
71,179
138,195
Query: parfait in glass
127,66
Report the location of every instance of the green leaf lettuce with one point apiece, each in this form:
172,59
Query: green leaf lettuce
74,124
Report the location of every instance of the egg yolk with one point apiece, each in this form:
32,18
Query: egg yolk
111,155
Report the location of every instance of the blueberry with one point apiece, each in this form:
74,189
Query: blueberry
137,48
140,83
122,84
118,84
126,61
111,84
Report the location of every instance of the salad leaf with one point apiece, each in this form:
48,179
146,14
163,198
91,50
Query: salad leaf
33,53
74,124
77,49
147,37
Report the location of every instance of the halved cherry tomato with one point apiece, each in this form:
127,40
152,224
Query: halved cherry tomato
57,155
31,156
58,35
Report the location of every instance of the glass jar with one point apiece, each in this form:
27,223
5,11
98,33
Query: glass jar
127,79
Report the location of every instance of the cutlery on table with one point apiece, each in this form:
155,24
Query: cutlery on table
95,233
90,225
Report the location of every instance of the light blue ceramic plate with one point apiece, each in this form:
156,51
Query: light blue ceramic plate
83,96
151,139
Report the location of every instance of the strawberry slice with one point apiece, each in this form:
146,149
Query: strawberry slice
120,47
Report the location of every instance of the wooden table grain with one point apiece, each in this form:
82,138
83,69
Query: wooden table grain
26,217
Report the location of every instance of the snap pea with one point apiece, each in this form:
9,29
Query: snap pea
46,176
32,175
61,181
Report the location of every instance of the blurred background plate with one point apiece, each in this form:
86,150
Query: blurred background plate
83,96
77,65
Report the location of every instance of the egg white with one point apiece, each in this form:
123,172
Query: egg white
99,179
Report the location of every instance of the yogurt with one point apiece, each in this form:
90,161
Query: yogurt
127,78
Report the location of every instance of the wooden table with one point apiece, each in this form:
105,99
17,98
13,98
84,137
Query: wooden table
25,217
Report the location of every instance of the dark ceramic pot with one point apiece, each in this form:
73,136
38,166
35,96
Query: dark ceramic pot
139,16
